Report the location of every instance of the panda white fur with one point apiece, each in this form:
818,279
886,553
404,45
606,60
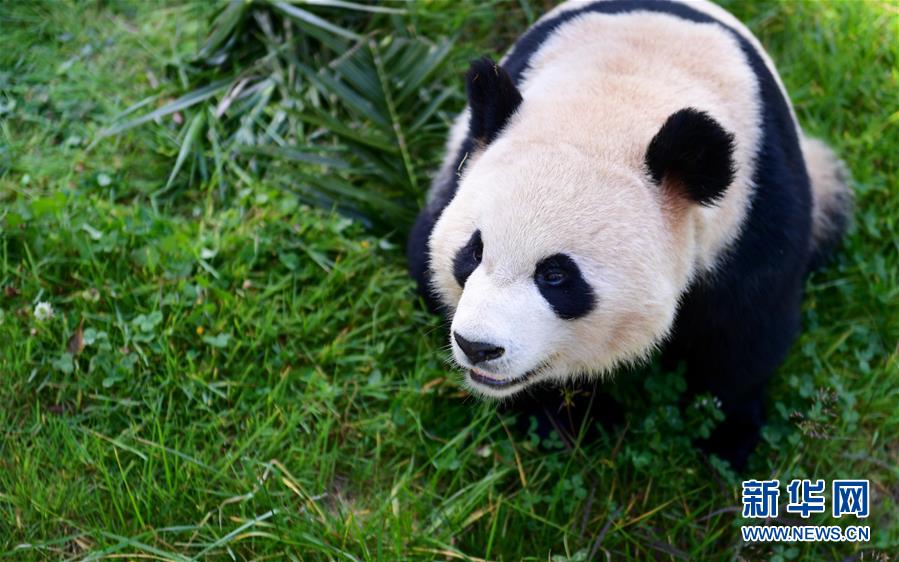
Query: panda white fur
630,178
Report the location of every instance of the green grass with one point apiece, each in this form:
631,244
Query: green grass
236,369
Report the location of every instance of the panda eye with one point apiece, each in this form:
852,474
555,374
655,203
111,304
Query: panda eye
553,277
560,281
468,258
477,250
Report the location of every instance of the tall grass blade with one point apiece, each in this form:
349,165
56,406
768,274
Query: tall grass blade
194,129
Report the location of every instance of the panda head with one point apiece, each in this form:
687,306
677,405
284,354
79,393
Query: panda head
555,262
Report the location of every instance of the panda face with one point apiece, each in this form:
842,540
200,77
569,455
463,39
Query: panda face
553,266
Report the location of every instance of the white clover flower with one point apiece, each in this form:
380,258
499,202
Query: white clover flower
43,311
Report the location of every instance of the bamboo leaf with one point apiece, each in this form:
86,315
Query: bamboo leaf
295,155
395,121
334,126
429,111
185,101
350,6
346,191
417,75
309,18
363,106
223,28
305,94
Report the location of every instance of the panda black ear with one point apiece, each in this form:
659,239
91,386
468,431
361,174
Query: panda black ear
493,98
693,152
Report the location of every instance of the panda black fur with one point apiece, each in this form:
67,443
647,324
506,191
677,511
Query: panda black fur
722,185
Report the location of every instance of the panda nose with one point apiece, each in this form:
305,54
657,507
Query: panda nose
478,351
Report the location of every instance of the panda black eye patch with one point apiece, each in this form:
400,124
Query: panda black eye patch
563,286
468,258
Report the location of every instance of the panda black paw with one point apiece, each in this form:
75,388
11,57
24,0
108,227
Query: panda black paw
733,442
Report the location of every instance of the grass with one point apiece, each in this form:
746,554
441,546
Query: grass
213,201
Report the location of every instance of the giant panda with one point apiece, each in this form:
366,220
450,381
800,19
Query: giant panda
629,179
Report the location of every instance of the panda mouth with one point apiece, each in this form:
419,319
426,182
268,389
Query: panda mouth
492,380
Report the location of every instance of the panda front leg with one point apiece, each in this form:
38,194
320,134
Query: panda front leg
575,412
732,342
737,435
